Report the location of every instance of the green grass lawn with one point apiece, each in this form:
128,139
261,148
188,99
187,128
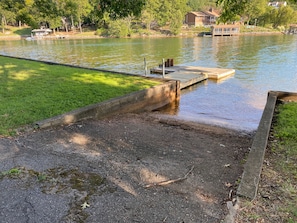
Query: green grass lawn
11,31
285,131
32,91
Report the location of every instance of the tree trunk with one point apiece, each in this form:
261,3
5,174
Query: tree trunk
64,21
72,23
79,24
148,26
129,19
2,24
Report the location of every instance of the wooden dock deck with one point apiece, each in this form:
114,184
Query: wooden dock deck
189,75
187,78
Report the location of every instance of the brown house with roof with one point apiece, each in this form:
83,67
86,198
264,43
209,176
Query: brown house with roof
201,18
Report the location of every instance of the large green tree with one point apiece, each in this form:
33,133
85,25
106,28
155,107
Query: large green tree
254,9
95,15
165,12
9,10
47,13
81,8
28,14
150,12
231,9
176,13
196,5
172,12
120,8
282,16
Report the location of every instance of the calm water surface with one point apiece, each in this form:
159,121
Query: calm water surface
262,63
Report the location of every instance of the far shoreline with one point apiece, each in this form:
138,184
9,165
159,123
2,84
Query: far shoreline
63,35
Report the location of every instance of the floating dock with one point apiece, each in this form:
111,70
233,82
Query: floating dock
189,75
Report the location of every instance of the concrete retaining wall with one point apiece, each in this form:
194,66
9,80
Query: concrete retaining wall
144,100
248,186
251,175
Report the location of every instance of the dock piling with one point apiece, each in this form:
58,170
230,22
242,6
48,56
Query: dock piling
163,68
145,67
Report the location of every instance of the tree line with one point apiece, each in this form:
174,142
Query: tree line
258,12
121,17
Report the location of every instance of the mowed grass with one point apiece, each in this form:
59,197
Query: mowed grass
32,91
285,131
11,31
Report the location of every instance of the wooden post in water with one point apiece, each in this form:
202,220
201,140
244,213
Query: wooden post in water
145,67
163,68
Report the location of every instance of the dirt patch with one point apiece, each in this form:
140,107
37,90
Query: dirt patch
101,169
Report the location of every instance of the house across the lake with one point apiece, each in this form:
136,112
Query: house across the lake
225,30
201,18
276,4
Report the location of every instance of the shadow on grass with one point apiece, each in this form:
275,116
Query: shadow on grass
23,32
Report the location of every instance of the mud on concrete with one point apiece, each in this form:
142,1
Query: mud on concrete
99,171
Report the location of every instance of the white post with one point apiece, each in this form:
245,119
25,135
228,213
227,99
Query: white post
145,67
163,68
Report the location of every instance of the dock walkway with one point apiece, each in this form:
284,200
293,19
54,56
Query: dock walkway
189,75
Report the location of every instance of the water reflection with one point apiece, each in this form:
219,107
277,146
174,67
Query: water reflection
262,63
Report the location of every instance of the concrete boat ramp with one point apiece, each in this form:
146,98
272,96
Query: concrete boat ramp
189,75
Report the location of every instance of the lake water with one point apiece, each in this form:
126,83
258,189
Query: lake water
262,63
